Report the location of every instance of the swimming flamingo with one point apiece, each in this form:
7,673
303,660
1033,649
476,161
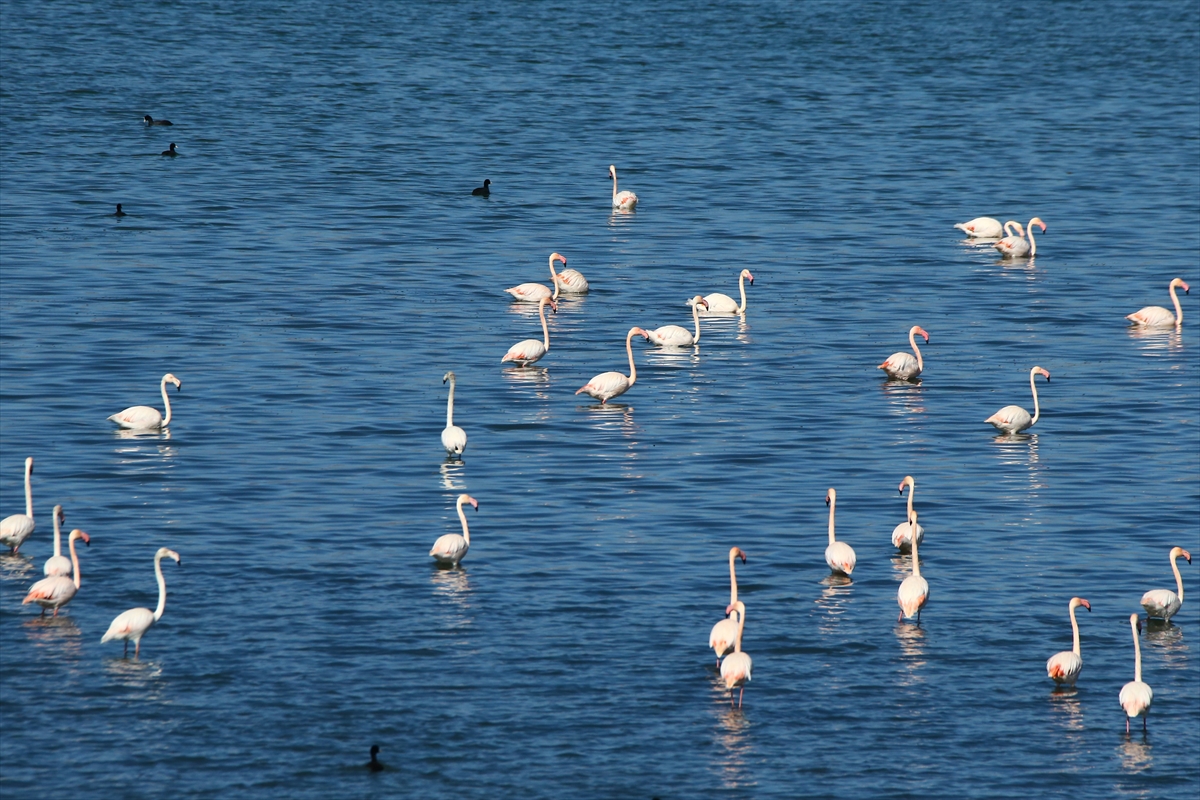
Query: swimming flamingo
56,591
724,633
914,591
15,528
676,336
735,669
133,624
57,564
902,533
1159,317
981,228
1136,696
145,417
451,547
532,292
572,280
1064,667
1164,603
607,385
622,201
454,438
1019,247
529,351
838,555
902,366
1014,419
724,304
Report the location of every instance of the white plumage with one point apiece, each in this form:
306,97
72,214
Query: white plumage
451,547
145,417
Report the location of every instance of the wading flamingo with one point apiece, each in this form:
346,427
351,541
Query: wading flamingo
57,564
735,669
674,335
451,547
903,366
533,292
57,591
914,591
145,417
622,201
724,633
15,528
902,533
1163,603
1064,667
1159,317
571,281
724,304
454,438
132,625
1136,696
531,350
838,555
981,228
1019,247
607,385
1014,419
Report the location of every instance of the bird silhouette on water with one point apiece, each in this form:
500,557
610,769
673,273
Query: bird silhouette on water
482,191
119,213
170,151
152,121
374,764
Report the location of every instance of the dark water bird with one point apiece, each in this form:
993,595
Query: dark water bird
152,121
374,764
170,151
482,191
119,213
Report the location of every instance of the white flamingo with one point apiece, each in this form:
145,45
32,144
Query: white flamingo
981,228
56,591
735,669
57,564
132,625
622,201
571,281
533,292
1159,317
838,555
914,591
902,533
530,351
1064,667
454,438
1163,603
607,385
15,528
724,633
1018,246
676,336
1136,696
903,366
145,417
724,304
1014,419
451,547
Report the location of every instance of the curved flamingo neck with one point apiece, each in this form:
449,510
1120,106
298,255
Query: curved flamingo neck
732,578
742,290
1178,308
1178,577
629,350
912,489
1074,630
696,321
58,534
29,479
614,177
737,643
912,527
832,504
74,561
545,330
450,406
162,588
912,339
1137,653
1037,411
166,403
1032,241
462,516
553,279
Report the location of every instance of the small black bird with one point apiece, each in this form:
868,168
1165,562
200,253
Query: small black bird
119,213
152,121
171,151
482,191
374,764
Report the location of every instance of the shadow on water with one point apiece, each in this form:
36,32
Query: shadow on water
59,635
454,475
903,397
834,601
1166,638
1064,702
732,734
1156,340
911,639
16,567
1135,752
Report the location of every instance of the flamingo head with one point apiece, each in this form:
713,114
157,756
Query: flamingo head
466,498
636,332
29,465
908,481
737,551
1079,601
1176,552
58,512
831,496
166,552
1040,371
921,331
558,257
78,534
697,301
612,171
1179,282
169,378
449,376
1037,221
553,305
739,607
1136,621
746,274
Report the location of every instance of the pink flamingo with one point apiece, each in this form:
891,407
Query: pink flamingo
132,625
15,528
533,292
451,547
1019,247
454,438
57,564
1163,603
145,417
981,228
530,351
1064,667
58,590
902,534
838,555
724,633
572,281
607,385
1159,317
676,336
902,366
735,669
724,304
621,201
914,591
1014,419
1136,696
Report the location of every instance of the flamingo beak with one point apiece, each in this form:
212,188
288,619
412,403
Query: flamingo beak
86,539
474,504
1085,604
1139,626
1187,556
742,554
729,609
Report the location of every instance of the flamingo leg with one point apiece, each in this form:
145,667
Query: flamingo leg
137,649
1127,726
56,612
741,693
1143,723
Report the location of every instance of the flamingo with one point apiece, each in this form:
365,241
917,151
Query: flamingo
15,528
607,385
981,228
57,564
571,281
724,304
735,669
1136,696
1164,603
838,555
1014,419
133,624
902,366
724,633
914,591
1064,667
145,417
902,533
1019,247
532,292
451,547
1159,317
56,591
674,335
527,352
621,201
454,438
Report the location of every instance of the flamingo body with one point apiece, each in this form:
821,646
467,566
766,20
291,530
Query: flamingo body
535,292
1159,317
719,303
1163,603
451,547
838,555
913,593
981,228
735,669
145,417
57,564
131,625
58,590
607,385
724,633
906,366
531,351
1064,667
16,528
454,438
1014,419
1136,696
675,335
902,534
1019,247
571,281
621,201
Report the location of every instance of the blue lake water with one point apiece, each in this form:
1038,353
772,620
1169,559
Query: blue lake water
313,262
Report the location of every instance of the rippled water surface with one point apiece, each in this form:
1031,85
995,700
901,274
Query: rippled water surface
313,262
